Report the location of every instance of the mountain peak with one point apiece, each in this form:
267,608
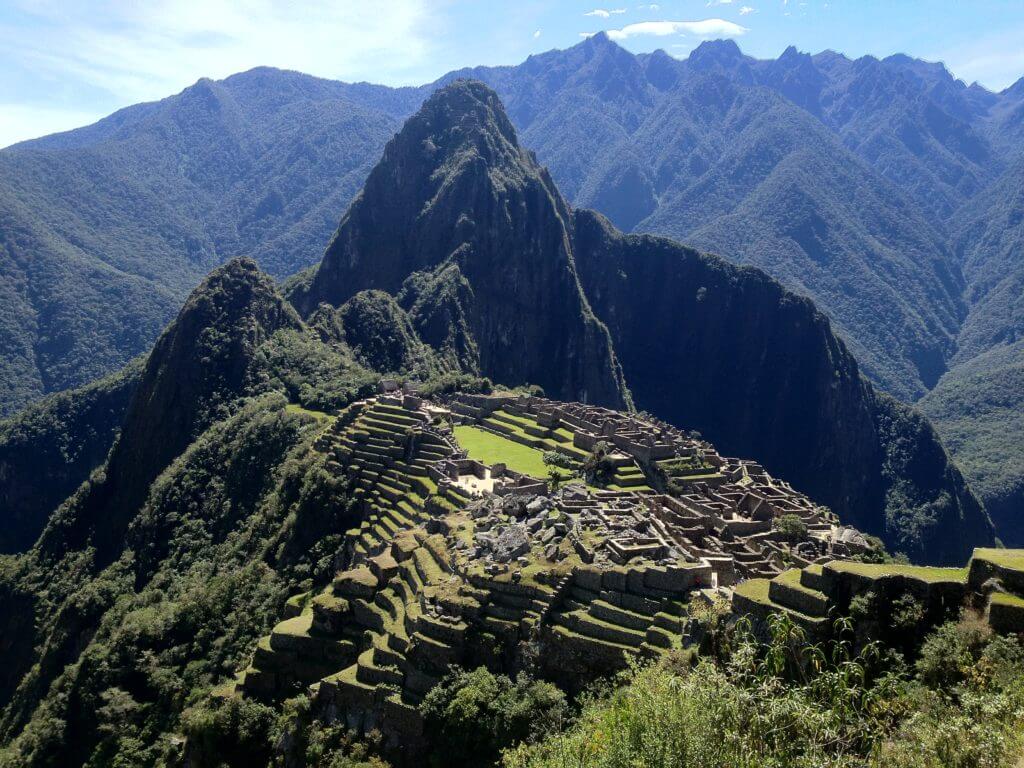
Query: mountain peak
599,40
1015,90
458,150
792,54
197,366
457,215
723,53
463,109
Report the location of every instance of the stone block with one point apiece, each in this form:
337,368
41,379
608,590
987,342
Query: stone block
614,579
588,577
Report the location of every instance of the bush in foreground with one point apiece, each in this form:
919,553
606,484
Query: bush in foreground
789,704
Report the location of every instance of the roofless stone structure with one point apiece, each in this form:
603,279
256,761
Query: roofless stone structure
461,559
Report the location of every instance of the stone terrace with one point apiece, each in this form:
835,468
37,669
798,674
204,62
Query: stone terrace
457,562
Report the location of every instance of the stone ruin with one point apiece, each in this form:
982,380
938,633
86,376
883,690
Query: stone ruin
455,562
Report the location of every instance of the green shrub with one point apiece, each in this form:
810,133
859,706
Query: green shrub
786,703
231,732
558,459
599,468
471,716
791,528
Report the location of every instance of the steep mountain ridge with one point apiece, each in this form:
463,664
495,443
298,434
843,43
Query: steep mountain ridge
271,157
51,447
197,367
978,408
730,352
454,190
723,349
104,231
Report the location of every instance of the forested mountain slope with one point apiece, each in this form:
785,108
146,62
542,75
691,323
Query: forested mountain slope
978,408
151,583
51,447
838,177
142,204
104,230
462,226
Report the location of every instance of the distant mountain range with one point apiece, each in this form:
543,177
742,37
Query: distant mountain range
869,186
151,582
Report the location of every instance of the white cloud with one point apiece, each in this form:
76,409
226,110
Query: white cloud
746,9
995,60
703,28
650,7
719,2
536,34
602,13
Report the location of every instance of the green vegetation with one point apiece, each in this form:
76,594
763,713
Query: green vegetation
50,448
790,704
599,467
107,231
1003,598
923,573
151,583
755,589
381,336
558,459
490,448
1005,558
978,408
791,527
470,717
445,384
243,732
310,373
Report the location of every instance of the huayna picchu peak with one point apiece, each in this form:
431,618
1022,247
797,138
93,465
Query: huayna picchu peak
455,201
504,480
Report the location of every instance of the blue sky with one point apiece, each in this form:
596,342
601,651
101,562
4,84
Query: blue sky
67,63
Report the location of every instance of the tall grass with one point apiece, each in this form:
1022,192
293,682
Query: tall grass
787,703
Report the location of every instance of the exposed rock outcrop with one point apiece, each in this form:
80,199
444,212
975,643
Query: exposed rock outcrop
455,189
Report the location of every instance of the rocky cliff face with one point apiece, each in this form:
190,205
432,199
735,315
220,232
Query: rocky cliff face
455,189
495,270
729,352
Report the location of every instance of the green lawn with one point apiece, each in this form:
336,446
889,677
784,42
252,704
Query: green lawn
295,408
924,573
1001,598
489,448
754,589
1011,559
791,578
